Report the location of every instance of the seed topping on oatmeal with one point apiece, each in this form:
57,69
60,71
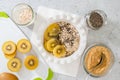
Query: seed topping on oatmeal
69,36
65,37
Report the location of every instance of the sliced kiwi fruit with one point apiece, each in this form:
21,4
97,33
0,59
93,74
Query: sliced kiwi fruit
45,46
50,45
24,46
10,56
9,48
52,31
31,62
14,65
59,51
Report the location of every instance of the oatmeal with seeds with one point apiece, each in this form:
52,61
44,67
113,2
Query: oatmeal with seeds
61,39
69,36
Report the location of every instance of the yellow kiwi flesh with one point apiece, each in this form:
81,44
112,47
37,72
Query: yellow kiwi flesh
24,46
31,62
59,51
14,65
9,48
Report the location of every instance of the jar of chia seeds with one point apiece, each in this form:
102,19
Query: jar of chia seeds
96,19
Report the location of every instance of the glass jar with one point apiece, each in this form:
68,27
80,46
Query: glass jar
23,14
98,62
96,19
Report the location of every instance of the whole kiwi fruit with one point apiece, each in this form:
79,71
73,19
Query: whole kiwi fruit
8,76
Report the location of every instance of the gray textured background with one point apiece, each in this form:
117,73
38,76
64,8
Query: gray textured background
109,34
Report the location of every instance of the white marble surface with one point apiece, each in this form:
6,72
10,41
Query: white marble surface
109,34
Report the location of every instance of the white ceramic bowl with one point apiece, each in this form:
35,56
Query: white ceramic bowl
74,20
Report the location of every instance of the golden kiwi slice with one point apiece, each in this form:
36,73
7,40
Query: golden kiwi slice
51,44
9,47
10,56
52,31
45,46
31,62
59,51
14,65
24,46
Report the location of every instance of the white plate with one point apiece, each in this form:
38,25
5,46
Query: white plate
59,65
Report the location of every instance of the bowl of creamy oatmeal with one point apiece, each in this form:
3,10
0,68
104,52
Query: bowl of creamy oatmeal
61,39
64,40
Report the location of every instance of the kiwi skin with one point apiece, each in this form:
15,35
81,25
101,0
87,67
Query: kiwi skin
8,76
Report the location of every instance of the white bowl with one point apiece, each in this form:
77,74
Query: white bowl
74,20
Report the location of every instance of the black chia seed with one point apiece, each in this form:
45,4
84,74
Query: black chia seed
96,20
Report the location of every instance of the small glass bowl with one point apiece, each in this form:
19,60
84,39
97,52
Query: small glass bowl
110,66
16,14
101,13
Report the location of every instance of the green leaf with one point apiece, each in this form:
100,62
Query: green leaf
38,79
3,14
50,74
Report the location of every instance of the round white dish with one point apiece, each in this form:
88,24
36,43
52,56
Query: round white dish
74,20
